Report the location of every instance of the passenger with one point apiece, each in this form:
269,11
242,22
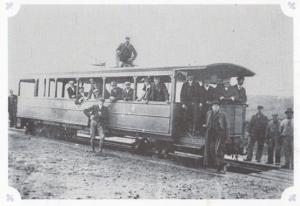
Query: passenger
215,137
71,90
115,92
218,90
242,97
126,53
127,93
148,91
206,96
257,131
98,115
160,91
93,89
12,108
189,97
273,140
227,93
287,136
80,98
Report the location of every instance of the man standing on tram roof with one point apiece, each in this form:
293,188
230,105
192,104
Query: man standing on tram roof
242,97
98,115
126,53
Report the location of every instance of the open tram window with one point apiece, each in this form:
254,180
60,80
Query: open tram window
154,88
120,88
51,87
27,88
90,88
66,88
41,87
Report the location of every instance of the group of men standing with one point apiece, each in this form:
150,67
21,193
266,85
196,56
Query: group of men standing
278,136
195,100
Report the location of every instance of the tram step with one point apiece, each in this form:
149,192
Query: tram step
186,155
121,140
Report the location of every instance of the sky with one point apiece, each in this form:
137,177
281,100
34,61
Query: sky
50,38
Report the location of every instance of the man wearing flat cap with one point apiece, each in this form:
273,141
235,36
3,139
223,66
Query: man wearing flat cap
98,115
257,130
127,93
126,53
241,91
273,140
215,137
287,136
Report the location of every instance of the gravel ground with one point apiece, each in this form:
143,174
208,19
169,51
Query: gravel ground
41,168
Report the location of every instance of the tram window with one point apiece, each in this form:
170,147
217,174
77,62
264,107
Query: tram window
51,88
166,80
91,86
120,82
63,85
41,87
27,88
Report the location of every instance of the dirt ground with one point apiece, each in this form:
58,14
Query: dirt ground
41,168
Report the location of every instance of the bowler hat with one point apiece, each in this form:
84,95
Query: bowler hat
127,38
289,110
260,107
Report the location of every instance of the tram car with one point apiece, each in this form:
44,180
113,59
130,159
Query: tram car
44,105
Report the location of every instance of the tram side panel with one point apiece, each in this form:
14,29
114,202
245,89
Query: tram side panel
152,119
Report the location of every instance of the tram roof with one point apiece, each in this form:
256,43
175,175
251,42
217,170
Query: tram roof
220,70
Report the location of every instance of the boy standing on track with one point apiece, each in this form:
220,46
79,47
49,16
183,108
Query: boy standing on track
98,115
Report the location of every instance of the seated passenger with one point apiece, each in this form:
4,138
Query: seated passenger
242,97
80,98
160,91
227,93
127,93
71,90
93,89
115,92
148,90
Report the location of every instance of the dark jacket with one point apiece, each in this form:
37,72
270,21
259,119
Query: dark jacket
127,95
273,130
227,94
206,95
217,133
79,98
126,52
12,103
100,115
72,92
149,92
117,93
160,92
258,125
189,93
242,97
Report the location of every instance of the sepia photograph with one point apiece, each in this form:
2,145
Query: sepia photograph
150,101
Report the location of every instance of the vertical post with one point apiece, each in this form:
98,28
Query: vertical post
49,82
19,88
173,92
36,88
77,86
45,86
134,88
55,94
103,87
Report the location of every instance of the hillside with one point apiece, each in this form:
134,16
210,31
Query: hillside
272,104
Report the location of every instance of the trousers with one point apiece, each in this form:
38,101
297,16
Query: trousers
288,147
260,145
96,127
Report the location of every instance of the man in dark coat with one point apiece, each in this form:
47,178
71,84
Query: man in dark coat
257,130
12,108
160,91
189,97
98,115
148,91
226,93
127,93
241,91
215,138
115,92
126,53
273,140
206,96
71,90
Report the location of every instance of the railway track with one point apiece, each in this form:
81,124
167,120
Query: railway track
192,162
